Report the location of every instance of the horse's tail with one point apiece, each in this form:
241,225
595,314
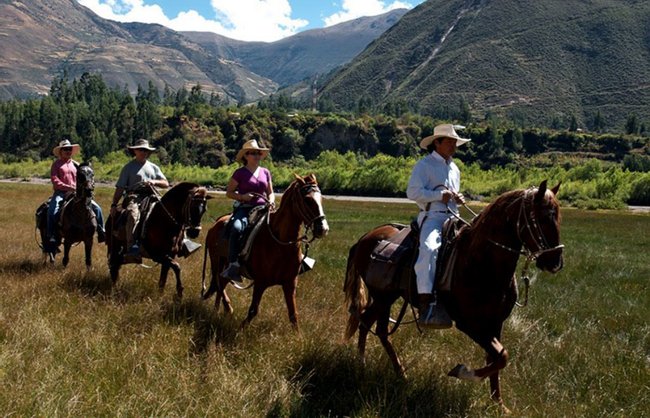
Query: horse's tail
355,294
205,261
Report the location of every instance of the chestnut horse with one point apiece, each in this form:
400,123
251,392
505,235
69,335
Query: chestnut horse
78,222
483,290
176,213
275,255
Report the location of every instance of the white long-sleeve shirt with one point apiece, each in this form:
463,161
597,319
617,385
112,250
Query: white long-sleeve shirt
429,173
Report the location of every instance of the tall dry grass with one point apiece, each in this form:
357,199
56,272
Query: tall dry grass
72,345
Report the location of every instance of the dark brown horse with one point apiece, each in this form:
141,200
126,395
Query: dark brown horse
78,222
276,253
176,213
483,289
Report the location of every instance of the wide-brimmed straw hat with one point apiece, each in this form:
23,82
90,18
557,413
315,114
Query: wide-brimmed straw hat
66,144
445,130
251,145
141,144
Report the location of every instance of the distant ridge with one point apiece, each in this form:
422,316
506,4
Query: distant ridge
530,61
44,39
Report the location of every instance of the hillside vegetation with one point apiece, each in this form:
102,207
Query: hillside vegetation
536,62
198,137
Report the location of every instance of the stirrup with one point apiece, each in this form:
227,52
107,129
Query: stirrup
232,273
188,247
435,316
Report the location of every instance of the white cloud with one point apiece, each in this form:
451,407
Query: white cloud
352,9
247,20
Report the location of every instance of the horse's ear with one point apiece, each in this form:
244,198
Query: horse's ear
299,178
556,189
541,192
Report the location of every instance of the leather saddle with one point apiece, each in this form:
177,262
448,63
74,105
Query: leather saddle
392,260
256,219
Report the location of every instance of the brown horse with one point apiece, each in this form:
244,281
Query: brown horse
275,255
483,290
176,213
78,222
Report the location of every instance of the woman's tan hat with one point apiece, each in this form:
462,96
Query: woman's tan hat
66,144
141,144
445,130
250,146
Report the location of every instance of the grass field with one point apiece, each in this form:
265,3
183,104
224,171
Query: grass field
70,345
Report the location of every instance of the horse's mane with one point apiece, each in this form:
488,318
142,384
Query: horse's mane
180,191
498,206
504,203
293,187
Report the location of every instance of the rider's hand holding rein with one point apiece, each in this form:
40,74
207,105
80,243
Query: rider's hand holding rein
448,195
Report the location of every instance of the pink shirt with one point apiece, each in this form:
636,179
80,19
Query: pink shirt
63,175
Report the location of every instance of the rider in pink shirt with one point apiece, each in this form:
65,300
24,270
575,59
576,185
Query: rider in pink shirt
63,175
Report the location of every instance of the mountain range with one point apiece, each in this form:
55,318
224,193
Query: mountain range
47,38
534,61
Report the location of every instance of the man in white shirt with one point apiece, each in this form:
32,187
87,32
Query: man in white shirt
434,185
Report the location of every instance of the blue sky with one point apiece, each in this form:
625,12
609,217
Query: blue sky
247,20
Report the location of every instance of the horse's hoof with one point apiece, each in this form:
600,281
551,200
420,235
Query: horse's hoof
462,372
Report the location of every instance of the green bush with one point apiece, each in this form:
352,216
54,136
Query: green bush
640,191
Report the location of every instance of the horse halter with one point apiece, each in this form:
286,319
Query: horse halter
308,216
86,187
187,209
526,221
535,232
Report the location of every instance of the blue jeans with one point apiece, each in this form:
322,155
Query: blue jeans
238,223
52,211
99,215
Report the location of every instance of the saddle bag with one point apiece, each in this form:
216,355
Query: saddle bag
391,258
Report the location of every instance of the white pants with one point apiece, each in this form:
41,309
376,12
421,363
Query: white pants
430,242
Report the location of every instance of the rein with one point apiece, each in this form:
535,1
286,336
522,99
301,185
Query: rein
531,225
304,213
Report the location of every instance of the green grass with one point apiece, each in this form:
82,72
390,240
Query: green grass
70,345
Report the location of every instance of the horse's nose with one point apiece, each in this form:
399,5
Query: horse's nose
322,228
551,262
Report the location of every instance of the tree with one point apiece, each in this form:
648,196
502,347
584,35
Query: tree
598,123
632,124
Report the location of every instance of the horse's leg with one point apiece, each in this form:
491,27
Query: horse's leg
382,333
164,270
497,359
223,297
66,252
114,261
88,248
258,291
289,290
179,284
366,319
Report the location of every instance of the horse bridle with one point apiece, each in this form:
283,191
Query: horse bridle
308,218
187,206
535,232
185,210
